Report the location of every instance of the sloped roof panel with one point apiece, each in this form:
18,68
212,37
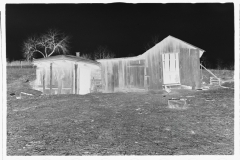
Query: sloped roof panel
66,57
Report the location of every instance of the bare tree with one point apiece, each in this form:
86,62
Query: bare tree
131,55
46,44
86,56
103,52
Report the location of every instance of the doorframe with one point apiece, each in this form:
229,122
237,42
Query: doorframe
163,70
129,66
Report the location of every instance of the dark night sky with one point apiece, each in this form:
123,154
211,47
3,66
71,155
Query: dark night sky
125,28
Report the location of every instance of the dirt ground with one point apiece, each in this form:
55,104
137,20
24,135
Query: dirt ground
119,123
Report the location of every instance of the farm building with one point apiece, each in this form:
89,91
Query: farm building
65,74
170,62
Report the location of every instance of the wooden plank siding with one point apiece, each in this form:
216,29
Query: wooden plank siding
116,74
109,76
190,67
125,79
136,73
146,71
184,67
76,78
154,70
149,72
195,68
122,74
51,78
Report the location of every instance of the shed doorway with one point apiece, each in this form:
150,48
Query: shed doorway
136,74
170,63
85,81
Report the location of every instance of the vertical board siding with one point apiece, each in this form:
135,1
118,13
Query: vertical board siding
152,71
76,78
131,75
142,76
59,77
106,76
128,75
120,74
147,72
108,82
115,75
72,80
195,67
66,77
102,77
161,69
137,73
184,67
157,63
125,74
43,81
51,75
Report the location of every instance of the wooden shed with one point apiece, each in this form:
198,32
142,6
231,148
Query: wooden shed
66,74
170,62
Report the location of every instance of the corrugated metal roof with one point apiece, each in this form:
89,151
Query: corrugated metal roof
66,57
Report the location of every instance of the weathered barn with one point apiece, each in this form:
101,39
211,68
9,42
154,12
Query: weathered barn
170,62
66,74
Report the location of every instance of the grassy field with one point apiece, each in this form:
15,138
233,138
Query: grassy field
118,123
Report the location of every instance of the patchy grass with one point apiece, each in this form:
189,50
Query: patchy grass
18,80
223,74
119,123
